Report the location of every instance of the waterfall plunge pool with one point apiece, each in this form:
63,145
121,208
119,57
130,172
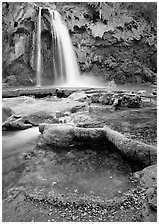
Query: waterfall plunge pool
90,170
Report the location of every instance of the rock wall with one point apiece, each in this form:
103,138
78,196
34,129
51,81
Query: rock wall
114,40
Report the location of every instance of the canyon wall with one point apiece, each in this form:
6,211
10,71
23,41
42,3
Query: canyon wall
117,41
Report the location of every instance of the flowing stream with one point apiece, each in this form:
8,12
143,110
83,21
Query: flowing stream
14,143
38,74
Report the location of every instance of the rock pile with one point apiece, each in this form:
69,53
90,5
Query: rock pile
118,100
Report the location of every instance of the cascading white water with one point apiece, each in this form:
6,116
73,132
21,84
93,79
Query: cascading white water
38,70
65,69
64,59
57,59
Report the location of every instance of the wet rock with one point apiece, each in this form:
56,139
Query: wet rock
107,99
58,135
6,112
118,100
148,177
80,107
16,123
148,180
81,119
60,93
134,149
42,117
79,96
94,98
127,100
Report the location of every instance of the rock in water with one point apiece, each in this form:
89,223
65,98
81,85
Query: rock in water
16,122
58,135
127,100
79,96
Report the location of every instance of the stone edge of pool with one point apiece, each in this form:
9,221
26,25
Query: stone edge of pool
63,135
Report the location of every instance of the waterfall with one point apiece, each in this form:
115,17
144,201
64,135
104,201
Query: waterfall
66,70
38,69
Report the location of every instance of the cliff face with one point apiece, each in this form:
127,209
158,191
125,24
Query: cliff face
114,40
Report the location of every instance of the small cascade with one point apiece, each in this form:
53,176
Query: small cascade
65,66
38,70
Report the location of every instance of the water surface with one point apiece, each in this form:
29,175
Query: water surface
14,143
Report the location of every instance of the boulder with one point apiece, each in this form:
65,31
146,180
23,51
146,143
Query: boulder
118,100
80,107
79,96
148,181
57,135
42,117
127,100
82,120
16,123
107,99
61,93
94,98
20,122
64,135
147,177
